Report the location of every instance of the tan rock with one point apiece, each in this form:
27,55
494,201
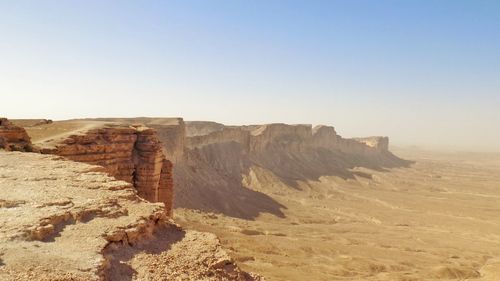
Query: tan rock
130,153
62,220
13,138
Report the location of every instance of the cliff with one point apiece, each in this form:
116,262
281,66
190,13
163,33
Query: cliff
63,220
13,138
202,128
212,164
379,143
170,131
259,138
130,153
220,168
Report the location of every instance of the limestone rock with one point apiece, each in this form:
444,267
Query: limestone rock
13,138
130,153
221,161
64,220
170,131
379,143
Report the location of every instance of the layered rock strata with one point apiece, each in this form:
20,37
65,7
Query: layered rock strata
63,220
220,160
130,153
212,160
13,138
379,143
262,137
170,131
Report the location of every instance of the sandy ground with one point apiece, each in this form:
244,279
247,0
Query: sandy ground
437,220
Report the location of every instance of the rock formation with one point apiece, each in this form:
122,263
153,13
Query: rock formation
130,153
219,159
202,128
170,131
259,138
234,170
63,220
212,160
13,138
379,143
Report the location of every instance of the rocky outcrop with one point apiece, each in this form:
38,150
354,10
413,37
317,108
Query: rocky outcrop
221,161
202,128
13,138
379,143
173,135
293,137
170,131
63,220
211,160
130,153
237,135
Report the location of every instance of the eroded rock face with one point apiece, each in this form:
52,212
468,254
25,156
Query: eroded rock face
261,138
379,143
64,220
13,138
221,161
170,131
130,153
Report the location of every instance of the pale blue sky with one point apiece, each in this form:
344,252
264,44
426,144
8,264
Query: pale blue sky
421,72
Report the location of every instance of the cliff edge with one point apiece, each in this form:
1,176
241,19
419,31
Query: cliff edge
132,153
63,220
222,164
13,138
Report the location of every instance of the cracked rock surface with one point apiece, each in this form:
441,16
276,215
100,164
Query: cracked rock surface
63,220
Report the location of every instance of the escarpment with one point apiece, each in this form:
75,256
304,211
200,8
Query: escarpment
379,143
64,220
130,153
170,131
13,138
211,163
220,159
260,138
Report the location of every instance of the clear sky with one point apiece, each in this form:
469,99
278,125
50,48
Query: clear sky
421,72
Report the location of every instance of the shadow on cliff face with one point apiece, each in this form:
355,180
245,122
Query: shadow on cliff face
119,255
210,178
311,163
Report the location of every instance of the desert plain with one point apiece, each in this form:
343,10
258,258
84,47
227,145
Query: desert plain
434,220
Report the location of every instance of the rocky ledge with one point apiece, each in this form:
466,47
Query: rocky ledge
130,153
63,220
13,138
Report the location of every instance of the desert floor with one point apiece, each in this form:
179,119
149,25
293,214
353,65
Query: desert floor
438,219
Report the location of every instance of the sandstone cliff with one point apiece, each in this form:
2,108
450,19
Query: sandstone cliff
213,163
130,153
63,220
13,138
170,131
220,161
259,138
379,143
